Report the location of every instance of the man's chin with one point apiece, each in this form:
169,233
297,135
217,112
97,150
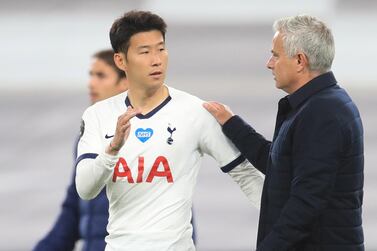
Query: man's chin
94,99
155,84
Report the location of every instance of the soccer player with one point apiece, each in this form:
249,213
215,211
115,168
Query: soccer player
145,146
81,219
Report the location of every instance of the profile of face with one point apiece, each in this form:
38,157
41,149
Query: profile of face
146,61
104,81
284,68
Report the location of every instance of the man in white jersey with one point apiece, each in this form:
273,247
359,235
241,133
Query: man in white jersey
145,146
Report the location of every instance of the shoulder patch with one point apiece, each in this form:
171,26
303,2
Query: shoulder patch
82,128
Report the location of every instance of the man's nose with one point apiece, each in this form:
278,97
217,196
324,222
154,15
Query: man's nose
156,60
270,63
91,82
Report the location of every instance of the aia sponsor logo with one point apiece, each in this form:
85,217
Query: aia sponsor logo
160,168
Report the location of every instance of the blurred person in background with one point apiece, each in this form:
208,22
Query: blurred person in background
80,219
314,166
145,145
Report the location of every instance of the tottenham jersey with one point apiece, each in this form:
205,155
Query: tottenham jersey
150,183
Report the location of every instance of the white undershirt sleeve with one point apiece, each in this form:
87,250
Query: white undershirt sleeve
250,181
93,174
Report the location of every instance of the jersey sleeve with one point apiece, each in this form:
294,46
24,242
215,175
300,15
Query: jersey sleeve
213,142
90,137
93,166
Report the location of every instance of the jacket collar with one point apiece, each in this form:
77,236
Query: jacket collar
312,87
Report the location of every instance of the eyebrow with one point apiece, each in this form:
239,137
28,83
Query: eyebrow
149,46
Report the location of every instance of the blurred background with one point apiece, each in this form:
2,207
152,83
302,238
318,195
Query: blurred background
218,50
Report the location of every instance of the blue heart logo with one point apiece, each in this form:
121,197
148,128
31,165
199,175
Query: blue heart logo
143,134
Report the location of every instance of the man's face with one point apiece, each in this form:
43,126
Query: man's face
147,60
283,67
103,81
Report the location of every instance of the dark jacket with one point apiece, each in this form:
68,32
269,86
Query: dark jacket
313,191
78,219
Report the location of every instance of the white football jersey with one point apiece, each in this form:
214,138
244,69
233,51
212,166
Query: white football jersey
150,182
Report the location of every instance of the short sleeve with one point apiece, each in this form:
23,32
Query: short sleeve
213,142
90,144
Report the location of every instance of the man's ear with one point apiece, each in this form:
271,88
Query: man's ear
302,61
120,61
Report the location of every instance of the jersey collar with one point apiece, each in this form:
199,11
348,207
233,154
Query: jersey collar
151,113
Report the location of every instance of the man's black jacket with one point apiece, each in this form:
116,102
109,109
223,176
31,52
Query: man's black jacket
313,191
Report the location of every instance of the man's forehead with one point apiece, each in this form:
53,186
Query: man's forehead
147,39
277,40
276,37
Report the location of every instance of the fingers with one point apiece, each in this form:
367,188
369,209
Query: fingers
221,112
123,123
122,130
124,127
127,116
209,107
214,108
130,113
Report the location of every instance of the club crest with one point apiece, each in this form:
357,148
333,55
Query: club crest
170,138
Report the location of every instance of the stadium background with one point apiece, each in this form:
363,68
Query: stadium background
218,50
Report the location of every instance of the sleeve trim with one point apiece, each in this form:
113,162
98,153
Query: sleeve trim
86,156
229,167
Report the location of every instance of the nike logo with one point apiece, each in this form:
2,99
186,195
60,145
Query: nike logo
108,136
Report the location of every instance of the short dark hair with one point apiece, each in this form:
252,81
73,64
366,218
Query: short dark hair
108,57
133,22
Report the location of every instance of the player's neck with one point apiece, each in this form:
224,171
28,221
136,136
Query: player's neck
147,99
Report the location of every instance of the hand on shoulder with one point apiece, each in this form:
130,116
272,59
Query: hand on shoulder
221,112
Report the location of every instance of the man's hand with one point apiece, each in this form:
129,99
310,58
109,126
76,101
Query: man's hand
122,131
222,113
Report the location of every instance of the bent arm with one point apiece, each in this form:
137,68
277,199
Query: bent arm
251,144
95,170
